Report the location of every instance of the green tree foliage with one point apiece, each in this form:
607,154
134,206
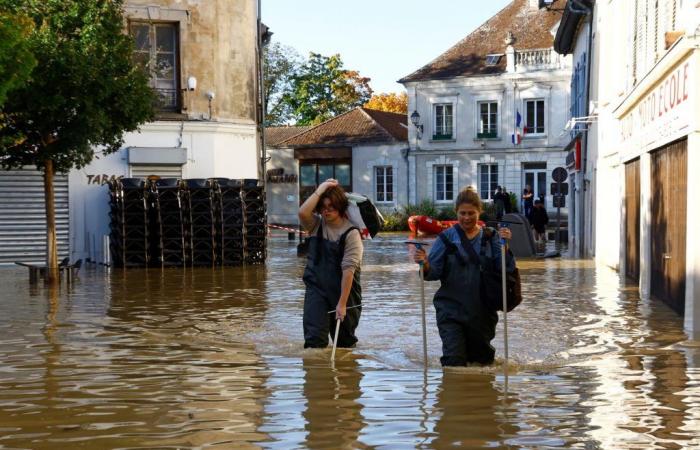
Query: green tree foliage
281,65
322,89
84,92
16,59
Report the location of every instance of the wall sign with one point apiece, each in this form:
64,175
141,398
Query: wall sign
103,179
664,113
278,176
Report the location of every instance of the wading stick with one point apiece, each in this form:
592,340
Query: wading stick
335,339
419,246
504,248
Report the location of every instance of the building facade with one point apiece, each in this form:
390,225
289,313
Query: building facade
491,110
203,59
364,149
647,133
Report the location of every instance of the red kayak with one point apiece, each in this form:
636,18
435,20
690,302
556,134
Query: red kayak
428,225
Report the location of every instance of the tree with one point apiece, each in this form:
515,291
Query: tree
323,89
281,65
84,92
16,59
391,102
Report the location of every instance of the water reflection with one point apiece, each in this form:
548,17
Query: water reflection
196,358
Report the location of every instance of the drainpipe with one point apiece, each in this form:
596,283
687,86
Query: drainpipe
261,97
576,6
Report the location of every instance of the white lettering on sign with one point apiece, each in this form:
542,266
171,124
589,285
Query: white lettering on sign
663,112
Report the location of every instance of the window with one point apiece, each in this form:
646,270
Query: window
488,180
492,60
384,183
156,50
534,117
444,183
488,120
443,121
313,174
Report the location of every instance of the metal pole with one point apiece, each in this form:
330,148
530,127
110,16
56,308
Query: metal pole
335,339
422,308
505,308
557,237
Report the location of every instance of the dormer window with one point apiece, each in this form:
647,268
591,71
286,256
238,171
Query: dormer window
492,60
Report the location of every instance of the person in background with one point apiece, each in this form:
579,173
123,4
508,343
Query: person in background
528,197
539,221
466,324
332,273
499,199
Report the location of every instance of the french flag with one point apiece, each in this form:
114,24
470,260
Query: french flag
516,138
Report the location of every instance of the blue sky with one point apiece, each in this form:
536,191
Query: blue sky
383,39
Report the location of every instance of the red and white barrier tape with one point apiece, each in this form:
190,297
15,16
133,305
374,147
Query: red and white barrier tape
290,230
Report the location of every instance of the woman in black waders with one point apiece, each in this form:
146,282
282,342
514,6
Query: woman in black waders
466,324
332,274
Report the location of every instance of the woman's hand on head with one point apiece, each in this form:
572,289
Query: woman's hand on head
325,185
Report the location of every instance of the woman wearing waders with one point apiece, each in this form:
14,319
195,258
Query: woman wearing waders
332,274
466,324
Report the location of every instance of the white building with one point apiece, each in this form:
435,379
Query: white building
465,105
644,93
206,78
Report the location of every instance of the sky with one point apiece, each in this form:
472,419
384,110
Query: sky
382,39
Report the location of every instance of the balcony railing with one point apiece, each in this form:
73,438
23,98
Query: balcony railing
539,59
166,99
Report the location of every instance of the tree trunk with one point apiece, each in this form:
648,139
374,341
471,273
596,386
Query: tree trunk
51,248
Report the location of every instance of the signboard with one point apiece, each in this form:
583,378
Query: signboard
559,174
559,201
562,189
278,176
665,113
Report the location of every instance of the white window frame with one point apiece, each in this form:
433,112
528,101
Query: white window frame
497,127
491,189
447,169
435,121
526,125
384,191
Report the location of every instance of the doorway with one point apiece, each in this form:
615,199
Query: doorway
632,209
535,176
668,223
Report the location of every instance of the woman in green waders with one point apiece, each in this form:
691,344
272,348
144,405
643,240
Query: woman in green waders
332,274
466,324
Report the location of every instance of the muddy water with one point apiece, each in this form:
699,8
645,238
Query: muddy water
213,359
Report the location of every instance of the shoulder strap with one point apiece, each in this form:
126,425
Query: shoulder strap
319,240
451,247
341,241
473,257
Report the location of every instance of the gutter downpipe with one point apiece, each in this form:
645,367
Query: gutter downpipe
261,98
581,8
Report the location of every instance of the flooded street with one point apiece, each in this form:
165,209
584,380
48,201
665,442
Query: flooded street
213,359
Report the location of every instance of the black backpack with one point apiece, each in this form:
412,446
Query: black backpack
371,216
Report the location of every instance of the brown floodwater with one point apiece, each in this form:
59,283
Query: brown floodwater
213,359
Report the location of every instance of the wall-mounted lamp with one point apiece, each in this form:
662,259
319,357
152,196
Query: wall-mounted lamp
191,83
415,120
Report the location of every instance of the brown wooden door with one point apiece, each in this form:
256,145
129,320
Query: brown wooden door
632,202
668,223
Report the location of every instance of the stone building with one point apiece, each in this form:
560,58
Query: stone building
465,106
646,128
364,149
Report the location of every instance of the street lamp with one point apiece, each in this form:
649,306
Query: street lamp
415,120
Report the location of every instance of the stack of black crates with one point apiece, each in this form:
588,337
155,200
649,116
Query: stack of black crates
195,222
129,233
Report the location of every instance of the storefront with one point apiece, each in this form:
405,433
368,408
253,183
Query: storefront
659,141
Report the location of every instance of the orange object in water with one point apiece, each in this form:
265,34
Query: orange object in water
428,225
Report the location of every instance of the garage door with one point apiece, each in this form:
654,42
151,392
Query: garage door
22,216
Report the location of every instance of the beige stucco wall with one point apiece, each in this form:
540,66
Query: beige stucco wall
217,46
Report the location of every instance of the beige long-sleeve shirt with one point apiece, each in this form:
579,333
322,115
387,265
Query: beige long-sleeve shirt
352,259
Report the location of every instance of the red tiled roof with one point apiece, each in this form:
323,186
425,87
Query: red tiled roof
531,29
275,135
359,126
